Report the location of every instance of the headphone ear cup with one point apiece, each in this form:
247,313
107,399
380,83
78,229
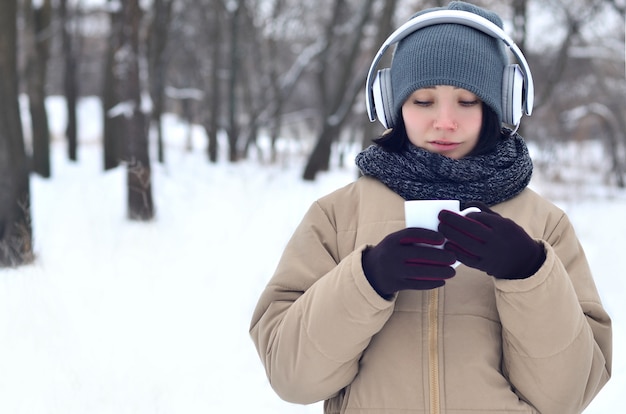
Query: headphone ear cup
512,95
383,97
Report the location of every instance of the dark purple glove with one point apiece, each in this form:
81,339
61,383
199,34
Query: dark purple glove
399,263
491,243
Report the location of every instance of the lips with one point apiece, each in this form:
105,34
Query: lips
444,146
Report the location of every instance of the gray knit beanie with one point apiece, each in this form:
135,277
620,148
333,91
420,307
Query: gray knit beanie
450,54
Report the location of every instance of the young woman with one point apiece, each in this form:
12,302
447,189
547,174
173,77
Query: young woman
362,316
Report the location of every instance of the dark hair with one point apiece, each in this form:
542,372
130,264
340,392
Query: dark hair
396,140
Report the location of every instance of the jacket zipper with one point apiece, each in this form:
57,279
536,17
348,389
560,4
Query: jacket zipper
433,353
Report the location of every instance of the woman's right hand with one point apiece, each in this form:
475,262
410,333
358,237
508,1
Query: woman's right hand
408,259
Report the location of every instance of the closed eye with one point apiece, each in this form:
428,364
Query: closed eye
470,103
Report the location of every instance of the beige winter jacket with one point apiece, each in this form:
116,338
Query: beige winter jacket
477,345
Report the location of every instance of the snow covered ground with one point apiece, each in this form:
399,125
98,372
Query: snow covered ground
119,317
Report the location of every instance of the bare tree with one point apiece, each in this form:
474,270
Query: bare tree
337,83
126,67
232,128
274,79
263,64
288,59
385,27
212,121
70,82
213,12
113,123
520,20
127,137
157,65
16,246
606,66
255,84
38,34
559,63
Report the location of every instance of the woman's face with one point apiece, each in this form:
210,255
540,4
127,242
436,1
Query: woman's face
443,119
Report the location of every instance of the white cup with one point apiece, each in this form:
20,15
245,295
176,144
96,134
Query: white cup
424,213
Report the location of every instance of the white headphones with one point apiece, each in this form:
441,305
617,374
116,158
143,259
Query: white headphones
517,82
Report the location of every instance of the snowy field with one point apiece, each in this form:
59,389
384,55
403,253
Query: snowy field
119,317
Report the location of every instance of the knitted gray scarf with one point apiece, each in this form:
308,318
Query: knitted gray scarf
419,174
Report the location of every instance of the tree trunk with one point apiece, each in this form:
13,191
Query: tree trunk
38,35
16,242
139,173
520,8
235,63
338,86
212,125
320,157
113,124
158,66
140,204
274,77
70,84
385,27
616,122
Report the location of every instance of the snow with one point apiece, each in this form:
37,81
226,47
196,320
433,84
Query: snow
124,317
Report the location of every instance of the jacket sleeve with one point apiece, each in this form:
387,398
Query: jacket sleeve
556,335
316,315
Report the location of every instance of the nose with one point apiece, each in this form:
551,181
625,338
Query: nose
445,119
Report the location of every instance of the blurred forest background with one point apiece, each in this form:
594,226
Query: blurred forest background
255,73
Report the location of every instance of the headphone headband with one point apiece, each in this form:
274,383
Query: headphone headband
461,17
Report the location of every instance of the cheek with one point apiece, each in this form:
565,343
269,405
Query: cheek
473,122
417,115
412,123
415,131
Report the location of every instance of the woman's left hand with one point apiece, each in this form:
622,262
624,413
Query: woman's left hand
491,243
